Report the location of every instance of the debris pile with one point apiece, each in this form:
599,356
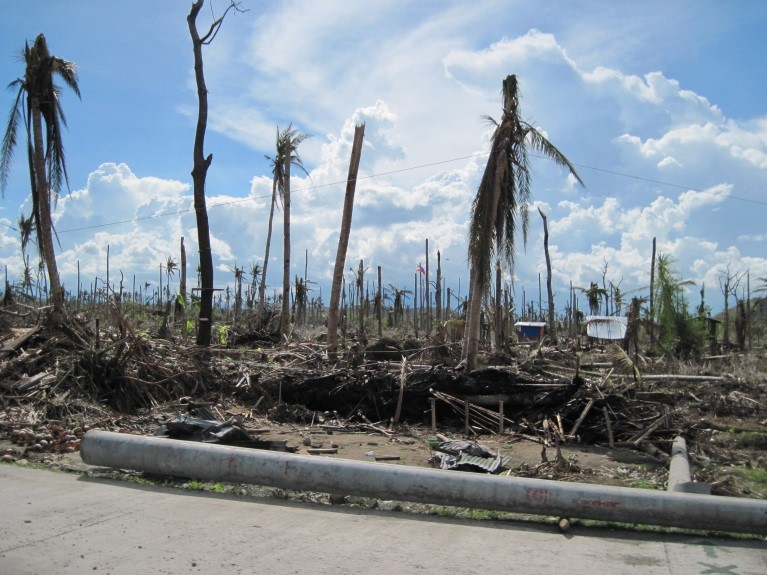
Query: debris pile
53,388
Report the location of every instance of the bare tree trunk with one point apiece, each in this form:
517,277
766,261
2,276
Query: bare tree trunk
549,290
181,301
427,296
237,291
106,299
199,173
379,312
415,303
45,232
438,295
361,318
343,242
726,291
652,294
508,316
740,323
473,323
285,315
749,306
262,285
497,307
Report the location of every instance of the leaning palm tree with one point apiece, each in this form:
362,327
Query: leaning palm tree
502,202
38,104
288,146
278,177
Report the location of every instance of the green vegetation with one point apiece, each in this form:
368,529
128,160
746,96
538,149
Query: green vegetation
750,439
757,478
443,511
681,334
475,514
643,483
223,334
483,514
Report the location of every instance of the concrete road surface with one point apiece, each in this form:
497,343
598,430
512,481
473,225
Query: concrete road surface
59,523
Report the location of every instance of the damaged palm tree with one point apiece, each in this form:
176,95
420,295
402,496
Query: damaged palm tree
291,138
277,178
38,103
501,203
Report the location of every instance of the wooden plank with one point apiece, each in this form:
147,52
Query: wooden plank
29,382
678,377
610,437
642,435
560,429
584,413
21,337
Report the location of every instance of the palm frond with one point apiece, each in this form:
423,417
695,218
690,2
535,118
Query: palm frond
26,228
489,120
67,71
10,136
541,144
623,364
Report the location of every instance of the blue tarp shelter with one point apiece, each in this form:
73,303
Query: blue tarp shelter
530,329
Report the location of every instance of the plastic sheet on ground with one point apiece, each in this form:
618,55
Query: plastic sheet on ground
190,428
461,455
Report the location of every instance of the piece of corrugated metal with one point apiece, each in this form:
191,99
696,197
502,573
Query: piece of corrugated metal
464,460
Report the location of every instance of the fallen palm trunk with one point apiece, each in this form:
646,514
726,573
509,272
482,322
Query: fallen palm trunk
519,495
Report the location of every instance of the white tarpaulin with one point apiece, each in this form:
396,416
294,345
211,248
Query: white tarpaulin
606,326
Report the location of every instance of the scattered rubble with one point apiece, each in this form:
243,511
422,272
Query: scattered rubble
53,389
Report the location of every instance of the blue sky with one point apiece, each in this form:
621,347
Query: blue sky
659,104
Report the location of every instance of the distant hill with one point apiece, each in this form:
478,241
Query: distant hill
758,314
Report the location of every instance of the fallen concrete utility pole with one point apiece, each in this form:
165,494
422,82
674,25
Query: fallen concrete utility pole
679,478
401,483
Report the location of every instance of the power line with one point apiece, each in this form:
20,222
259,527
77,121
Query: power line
250,198
371,176
668,184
